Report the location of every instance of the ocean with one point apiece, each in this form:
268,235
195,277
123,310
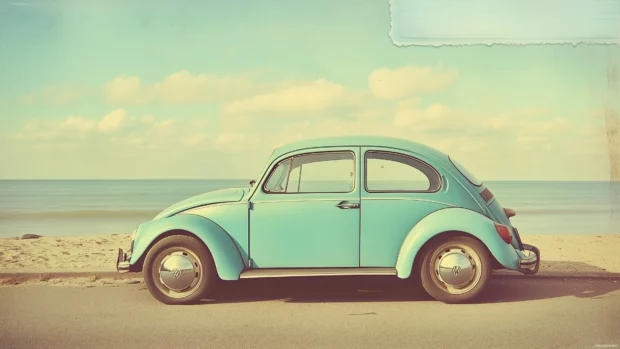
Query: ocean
92,207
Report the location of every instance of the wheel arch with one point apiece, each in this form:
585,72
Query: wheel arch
139,264
454,222
448,234
226,255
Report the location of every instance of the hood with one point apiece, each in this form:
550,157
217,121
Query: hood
212,197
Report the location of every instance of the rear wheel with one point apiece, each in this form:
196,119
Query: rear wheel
179,270
455,269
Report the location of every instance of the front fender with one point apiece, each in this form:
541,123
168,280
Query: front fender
454,219
225,253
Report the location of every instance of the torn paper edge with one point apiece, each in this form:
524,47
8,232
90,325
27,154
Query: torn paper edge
438,42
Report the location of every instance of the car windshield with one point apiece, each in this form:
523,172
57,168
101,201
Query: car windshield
470,176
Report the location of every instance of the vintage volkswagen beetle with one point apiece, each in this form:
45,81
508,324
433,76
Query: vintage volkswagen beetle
336,206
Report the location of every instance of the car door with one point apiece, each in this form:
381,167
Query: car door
399,190
306,213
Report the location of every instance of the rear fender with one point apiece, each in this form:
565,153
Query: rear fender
454,219
226,256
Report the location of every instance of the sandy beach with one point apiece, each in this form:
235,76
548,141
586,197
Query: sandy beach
62,253
560,253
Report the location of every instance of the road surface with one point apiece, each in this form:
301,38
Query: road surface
315,312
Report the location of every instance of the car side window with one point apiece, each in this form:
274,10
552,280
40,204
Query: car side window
326,172
393,172
277,181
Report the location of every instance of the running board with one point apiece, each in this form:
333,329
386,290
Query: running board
302,272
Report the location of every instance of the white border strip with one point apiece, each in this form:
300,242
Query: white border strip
466,22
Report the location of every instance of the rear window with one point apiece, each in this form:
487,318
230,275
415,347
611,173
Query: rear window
470,176
392,172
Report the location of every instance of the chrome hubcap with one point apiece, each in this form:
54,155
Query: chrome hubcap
457,268
180,272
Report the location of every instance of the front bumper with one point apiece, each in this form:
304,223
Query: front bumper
529,263
122,261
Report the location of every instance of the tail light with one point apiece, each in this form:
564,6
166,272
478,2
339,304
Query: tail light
504,232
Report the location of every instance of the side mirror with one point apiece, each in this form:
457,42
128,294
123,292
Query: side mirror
252,182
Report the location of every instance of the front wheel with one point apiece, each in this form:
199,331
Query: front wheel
179,270
456,269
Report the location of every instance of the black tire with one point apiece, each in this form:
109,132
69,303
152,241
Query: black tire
468,247
196,253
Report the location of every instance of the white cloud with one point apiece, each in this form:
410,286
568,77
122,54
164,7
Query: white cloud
598,113
539,132
527,129
372,113
387,83
305,97
163,125
177,88
418,117
55,95
126,89
530,140
147,119
70,128
78,124
184,87
498,122
75,127
28,99
118,126
129,140
412,102
162,134
461,133
596,131
554,126
113,121
192,141
244,145
457,131
228,138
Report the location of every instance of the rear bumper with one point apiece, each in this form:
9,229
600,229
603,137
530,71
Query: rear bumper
530,262
122,262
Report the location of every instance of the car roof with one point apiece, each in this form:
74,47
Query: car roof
360,141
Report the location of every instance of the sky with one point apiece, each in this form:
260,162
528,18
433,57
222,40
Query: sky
206,89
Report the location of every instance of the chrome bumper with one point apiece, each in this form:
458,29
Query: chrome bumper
531,262
122,261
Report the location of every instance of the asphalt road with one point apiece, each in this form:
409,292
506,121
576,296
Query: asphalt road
315,312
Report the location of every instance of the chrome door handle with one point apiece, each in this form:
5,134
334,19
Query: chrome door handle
346,205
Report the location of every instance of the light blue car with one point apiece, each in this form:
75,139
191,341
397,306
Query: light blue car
334,207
